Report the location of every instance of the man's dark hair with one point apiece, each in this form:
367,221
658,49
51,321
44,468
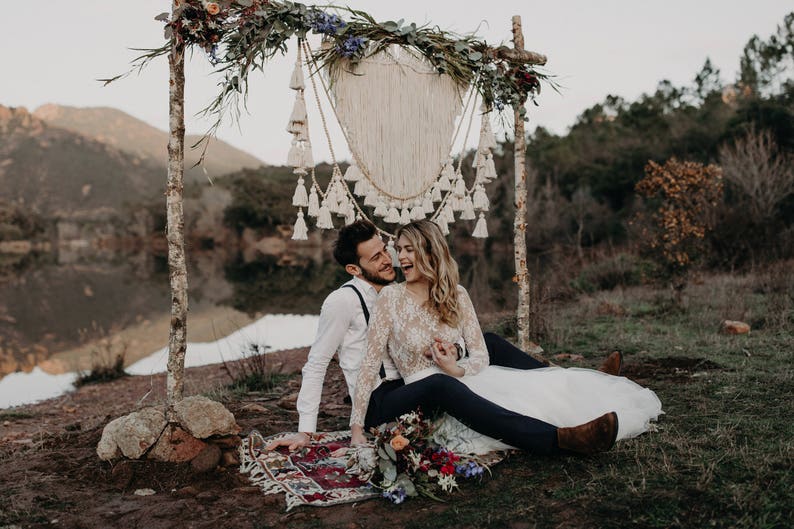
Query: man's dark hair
346,245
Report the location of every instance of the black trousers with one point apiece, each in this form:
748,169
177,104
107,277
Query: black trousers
442,393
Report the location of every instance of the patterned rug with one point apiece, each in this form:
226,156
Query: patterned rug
310,476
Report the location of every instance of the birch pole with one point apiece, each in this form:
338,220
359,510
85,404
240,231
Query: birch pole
520,222
177,268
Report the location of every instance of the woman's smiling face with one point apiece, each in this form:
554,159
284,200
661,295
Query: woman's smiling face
407,257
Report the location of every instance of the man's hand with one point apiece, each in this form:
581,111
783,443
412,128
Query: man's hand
439,345
292,442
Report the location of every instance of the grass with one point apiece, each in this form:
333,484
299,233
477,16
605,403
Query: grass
723,453
252,374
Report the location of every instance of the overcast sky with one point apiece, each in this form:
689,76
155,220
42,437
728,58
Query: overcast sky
55,49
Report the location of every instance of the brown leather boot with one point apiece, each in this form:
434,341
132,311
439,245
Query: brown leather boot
595,436
612,364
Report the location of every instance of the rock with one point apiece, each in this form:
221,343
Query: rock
187,492
203,417
734,327
132,435
569,356
176,446
207,495
207,459
287,402
144,492
230,459
229,441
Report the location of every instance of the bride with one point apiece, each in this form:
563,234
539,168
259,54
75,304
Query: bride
430,307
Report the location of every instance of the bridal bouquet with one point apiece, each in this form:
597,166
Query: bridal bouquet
403,461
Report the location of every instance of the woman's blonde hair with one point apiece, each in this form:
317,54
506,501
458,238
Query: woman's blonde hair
435,263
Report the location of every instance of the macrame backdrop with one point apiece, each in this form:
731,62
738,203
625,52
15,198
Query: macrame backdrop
398,116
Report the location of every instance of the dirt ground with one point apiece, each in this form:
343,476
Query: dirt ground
52,477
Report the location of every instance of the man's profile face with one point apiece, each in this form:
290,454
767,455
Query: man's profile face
375,262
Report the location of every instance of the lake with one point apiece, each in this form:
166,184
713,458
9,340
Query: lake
63,311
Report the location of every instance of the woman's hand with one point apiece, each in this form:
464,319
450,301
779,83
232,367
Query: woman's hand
445,355
357,435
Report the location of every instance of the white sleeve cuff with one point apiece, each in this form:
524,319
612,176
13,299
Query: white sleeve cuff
307,423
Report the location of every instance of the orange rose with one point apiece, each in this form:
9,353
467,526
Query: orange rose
398,442
213,8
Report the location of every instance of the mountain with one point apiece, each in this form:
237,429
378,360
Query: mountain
129,134
58,172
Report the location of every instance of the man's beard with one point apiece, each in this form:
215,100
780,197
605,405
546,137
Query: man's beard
375,279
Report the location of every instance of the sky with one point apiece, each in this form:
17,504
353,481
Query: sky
56,50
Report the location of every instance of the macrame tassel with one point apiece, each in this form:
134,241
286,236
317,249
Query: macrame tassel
324,221
298,110
300,232
345,209
487,138
435,195
299,129
443,183
481,228
314,203
393,217
489,168
296,81
442,224
405,216
460,186
350,218
468,209
456,203
448,213
449,169
295,156
371,199
427,204
353,173
361,188
481,202
395,259
380,208
418,212
307,160
300,198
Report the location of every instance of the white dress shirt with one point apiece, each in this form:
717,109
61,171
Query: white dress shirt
342,327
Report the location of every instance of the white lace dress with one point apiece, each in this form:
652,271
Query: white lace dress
403,330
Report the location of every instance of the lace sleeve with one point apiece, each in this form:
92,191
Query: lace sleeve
477,359
380,326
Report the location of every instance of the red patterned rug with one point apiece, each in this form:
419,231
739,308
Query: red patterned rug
310,476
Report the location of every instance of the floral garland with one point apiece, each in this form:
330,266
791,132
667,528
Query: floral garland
241,35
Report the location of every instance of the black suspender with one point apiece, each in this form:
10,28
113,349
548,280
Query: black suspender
361,299
366,317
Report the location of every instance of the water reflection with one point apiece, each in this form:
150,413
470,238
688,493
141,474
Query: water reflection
55,306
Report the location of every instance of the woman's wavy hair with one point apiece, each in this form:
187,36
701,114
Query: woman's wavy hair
435,263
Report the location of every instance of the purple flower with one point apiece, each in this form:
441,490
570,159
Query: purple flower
469,470
351,46
396,495
324,23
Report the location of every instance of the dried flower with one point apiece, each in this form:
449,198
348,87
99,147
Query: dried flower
398,442
213,8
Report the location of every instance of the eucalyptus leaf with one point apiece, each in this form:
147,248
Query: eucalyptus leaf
391,452
163,17
390,474
382,453
245,3
391,25
475,56
460,46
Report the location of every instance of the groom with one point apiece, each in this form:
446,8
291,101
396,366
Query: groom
343,325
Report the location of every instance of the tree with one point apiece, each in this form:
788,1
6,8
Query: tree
681,198
760,171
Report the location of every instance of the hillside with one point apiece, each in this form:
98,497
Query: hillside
55,172
124,132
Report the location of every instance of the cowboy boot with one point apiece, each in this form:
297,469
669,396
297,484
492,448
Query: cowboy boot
595,436
612,364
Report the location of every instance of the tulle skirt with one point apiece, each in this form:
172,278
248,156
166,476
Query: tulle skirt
559,396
